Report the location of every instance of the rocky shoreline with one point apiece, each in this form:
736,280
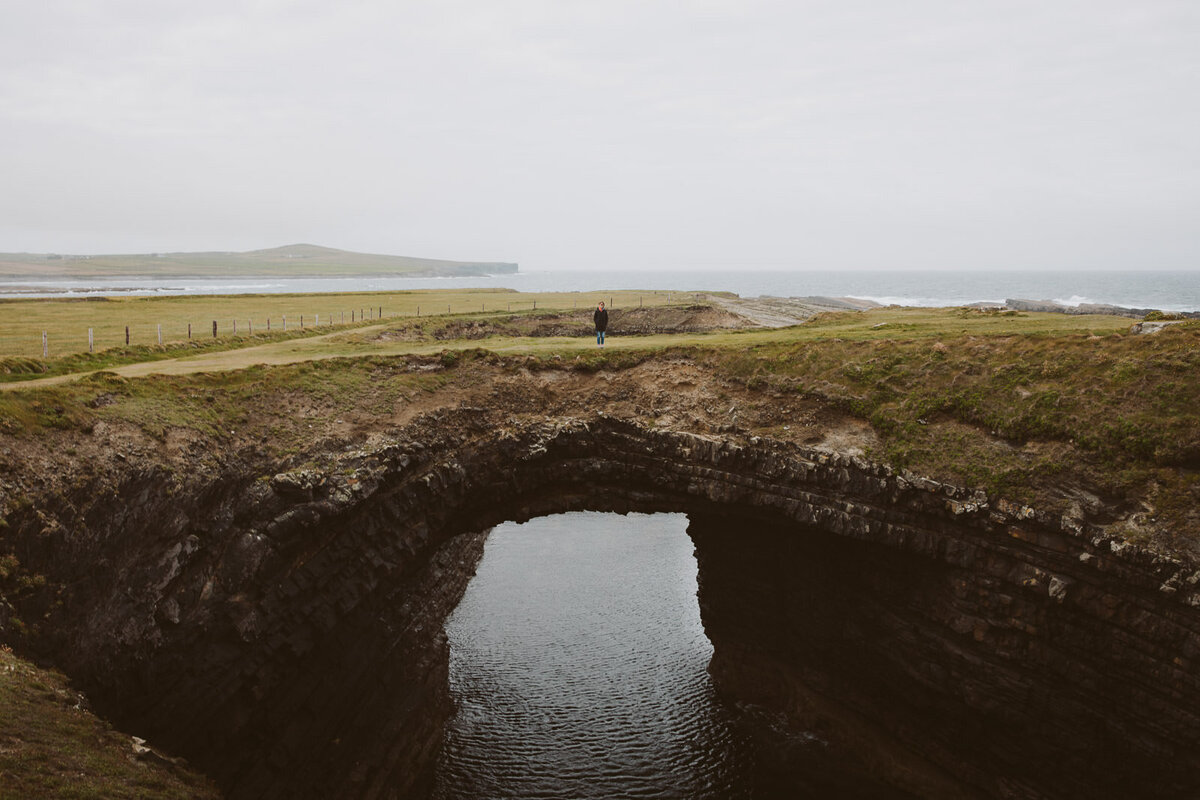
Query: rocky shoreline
1091,308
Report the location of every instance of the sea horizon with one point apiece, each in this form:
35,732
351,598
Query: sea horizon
1167,290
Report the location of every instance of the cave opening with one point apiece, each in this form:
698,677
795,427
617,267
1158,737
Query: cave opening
579,667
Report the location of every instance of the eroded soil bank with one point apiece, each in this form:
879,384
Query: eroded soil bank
263,593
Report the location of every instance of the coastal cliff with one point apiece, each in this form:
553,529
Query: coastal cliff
284,631
276,617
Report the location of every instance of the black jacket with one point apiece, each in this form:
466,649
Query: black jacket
600,317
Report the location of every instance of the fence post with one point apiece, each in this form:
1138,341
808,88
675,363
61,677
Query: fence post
352,316
189,330
126,335
45,346
317,321
235,327
214,329
250,327
284,321
159,327
90,341
268,324
301,320
381,312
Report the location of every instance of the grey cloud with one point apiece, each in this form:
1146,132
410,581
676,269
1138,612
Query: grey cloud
850,134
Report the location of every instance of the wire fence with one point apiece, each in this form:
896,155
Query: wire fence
67,337
101,337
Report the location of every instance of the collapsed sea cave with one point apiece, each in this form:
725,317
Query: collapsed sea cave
284,630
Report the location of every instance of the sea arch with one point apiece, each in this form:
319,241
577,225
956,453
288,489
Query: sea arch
283,630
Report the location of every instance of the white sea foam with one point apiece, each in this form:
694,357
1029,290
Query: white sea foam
1169,291
222,287
923,302
1073,300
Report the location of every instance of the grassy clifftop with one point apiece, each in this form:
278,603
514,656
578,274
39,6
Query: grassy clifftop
187,320
1065,411
1056,419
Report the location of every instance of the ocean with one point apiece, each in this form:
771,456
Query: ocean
1165,290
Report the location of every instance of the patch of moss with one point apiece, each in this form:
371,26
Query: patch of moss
51,746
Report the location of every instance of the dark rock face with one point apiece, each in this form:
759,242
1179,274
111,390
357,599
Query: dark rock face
284,631
949,682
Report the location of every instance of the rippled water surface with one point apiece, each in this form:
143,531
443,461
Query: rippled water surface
578,663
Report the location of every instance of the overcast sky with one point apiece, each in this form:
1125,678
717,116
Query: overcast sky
741,134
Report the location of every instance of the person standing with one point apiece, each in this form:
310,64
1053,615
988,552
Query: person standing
600,317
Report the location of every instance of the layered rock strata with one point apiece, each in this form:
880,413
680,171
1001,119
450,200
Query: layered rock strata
282,629
1087,308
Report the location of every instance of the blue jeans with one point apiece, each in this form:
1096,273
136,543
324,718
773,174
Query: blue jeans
599,337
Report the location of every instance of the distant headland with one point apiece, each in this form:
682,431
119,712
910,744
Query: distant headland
290,261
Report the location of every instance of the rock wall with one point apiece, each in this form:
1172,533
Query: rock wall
283,658
949,682
282,628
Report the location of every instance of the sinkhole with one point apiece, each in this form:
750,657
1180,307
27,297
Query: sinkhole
579,668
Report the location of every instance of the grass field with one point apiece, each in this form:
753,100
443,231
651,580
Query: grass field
338,341
66,322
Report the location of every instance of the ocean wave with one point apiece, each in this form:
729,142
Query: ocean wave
922,302
1179,291
1131,302
1073,300
220,287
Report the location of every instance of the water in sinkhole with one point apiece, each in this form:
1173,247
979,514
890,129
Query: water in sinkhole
578,667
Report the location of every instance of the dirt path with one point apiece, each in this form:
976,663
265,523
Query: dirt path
285,352
362,342
686,326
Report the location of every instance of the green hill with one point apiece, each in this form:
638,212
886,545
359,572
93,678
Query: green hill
295,261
